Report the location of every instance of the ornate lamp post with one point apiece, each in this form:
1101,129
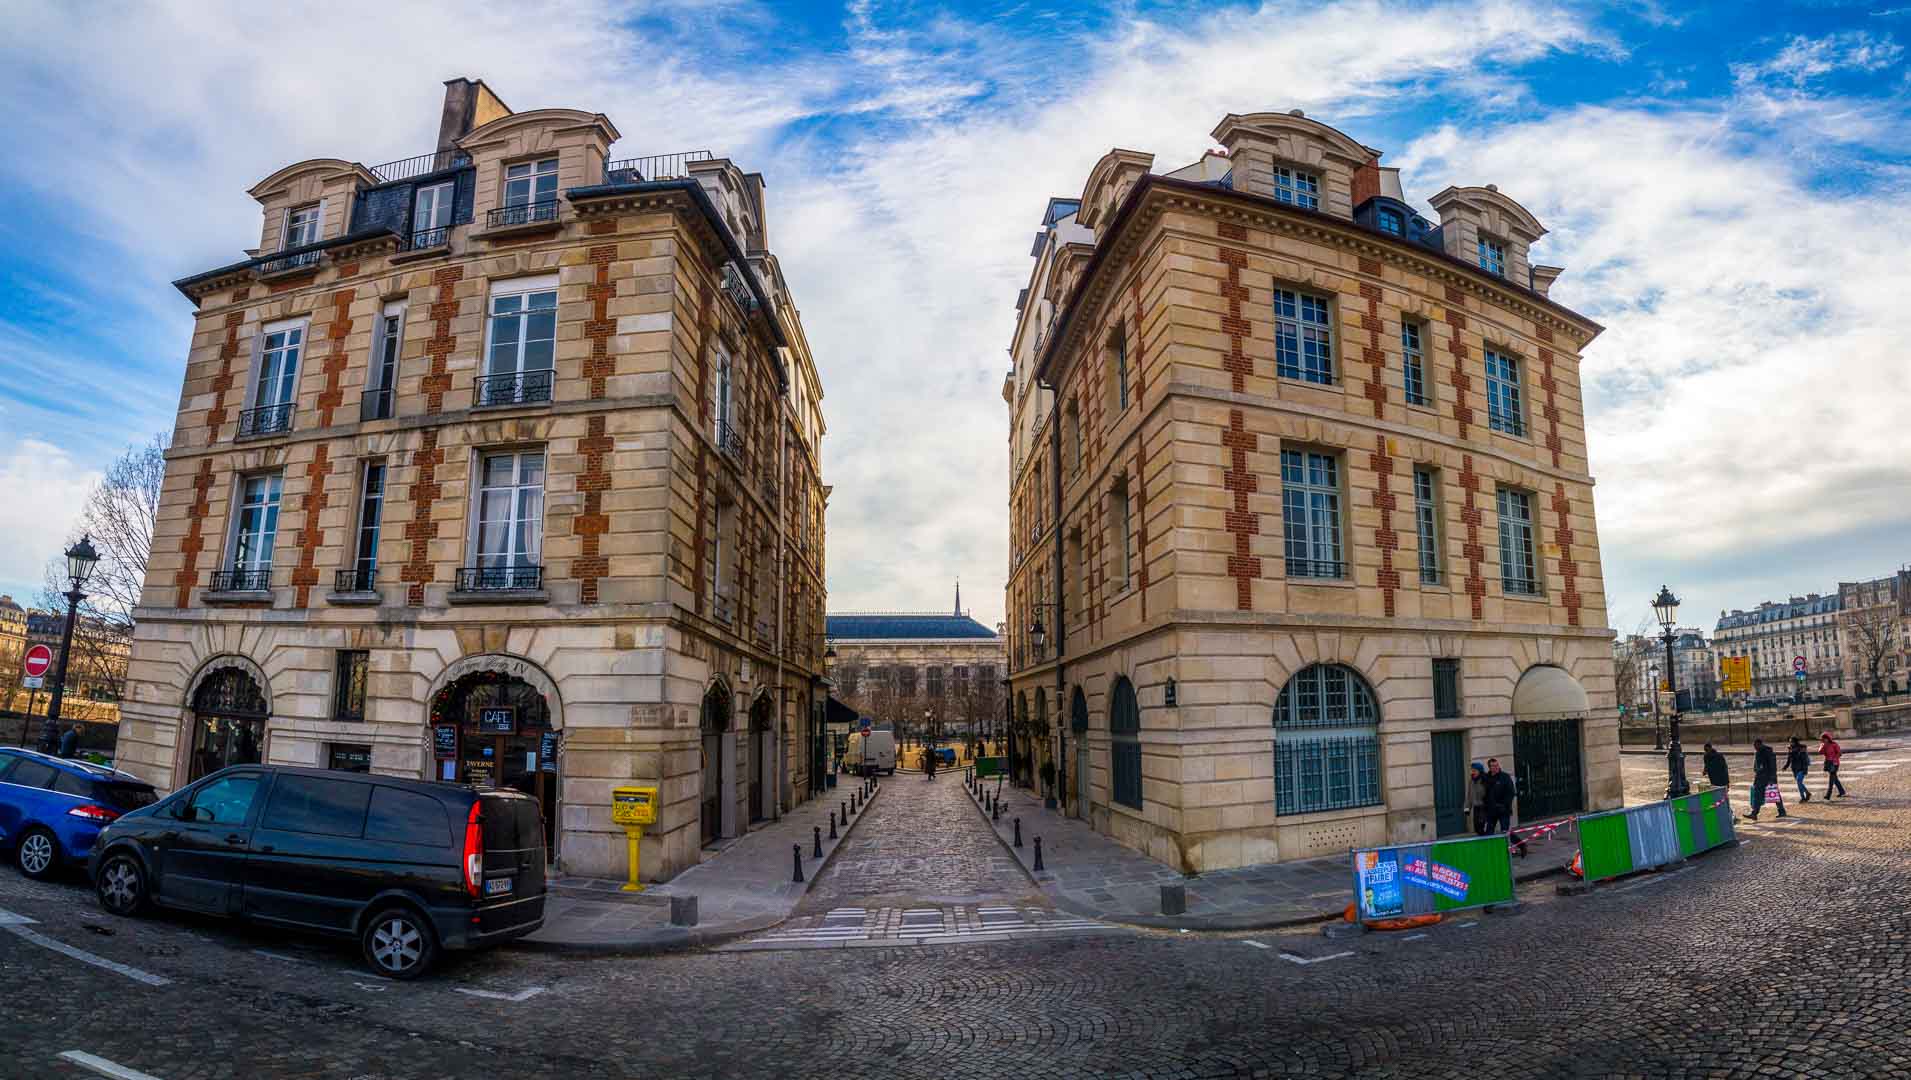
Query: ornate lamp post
80,560
1666,607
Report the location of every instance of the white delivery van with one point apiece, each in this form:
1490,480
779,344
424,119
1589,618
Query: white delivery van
871,752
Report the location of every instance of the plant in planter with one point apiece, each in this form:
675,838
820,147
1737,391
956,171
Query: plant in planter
1048,784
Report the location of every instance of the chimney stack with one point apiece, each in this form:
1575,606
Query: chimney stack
469,103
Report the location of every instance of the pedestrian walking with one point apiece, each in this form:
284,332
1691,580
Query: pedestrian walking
1716,771
1764,779
70,742
1832,753
1499,797
1798,760
1478,786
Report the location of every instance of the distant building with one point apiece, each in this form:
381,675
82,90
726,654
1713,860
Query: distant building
919,670
1776,635
1875,633
95,678
1694,665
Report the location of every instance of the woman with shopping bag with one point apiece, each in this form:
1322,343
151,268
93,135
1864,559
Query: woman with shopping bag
1764,780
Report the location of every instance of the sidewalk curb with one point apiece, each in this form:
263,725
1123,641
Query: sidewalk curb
681,938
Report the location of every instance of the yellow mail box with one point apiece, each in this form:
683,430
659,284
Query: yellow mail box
633,806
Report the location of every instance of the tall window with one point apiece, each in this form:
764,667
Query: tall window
1446,689
1296,188
1078,575
1310,510
510,517
523,332
723,404
371,508
431,214
1326,742
1124,541
530,182
1072,429
1117,372
1503,409
348,690
1518,576
1413,363
1124,728
258,525
1426,518
302,226
279,366
381,385
1303,340
1492,256
1391,222
721,556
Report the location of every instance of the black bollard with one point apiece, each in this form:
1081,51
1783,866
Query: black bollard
1018,832
832,824
816,833
1038,854
797,851
995,811
845,815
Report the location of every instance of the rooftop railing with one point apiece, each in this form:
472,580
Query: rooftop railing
655,167
406,168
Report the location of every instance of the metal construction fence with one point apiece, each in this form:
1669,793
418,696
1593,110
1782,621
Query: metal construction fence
1405,880
1642,837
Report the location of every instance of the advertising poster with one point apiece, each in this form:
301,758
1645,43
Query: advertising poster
1378,874
1421,873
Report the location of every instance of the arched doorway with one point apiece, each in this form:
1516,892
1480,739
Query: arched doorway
1078,725
1326,742
229,714
496,728
762,757
718,775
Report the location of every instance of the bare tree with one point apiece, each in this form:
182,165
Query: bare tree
1873,634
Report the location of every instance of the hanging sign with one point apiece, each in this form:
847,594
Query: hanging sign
444,740
498,720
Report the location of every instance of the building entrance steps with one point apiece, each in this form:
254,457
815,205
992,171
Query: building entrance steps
744,888
1088,874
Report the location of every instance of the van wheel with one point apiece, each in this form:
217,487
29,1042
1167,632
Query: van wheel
398,943
122,885
37,855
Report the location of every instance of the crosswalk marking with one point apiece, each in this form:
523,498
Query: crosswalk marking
922,926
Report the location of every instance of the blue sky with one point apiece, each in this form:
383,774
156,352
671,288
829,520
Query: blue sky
1727,188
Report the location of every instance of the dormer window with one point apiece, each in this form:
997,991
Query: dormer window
1390,222
530,182
301,227
1492,256
1296,188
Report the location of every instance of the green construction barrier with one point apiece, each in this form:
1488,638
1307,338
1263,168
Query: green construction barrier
1417,879
1487,862
1703,820
1604,850
988,766
1616,842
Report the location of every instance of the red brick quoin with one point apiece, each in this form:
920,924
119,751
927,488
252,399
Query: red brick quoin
1243,565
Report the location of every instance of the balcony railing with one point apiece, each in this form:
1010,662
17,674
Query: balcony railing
1316,568
253,579
304,260
423,239
375,405
357,580
423,164
265,420
516,388
499,578
655,167
529,213
729,441
1519,586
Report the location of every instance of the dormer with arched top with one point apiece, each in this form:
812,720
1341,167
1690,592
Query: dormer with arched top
527,158
1108,184
1293,160
307,202
1481,226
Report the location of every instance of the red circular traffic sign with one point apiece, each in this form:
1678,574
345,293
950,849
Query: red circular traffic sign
39,660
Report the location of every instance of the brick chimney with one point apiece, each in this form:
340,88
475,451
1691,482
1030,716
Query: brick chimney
469,103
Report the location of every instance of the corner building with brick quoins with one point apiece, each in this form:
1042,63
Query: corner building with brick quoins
499,464
1301,506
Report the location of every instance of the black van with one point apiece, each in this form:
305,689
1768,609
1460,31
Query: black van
405,866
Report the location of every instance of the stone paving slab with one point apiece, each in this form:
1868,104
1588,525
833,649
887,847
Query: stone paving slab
744,888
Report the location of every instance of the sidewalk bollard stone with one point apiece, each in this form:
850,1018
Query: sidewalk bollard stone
1038,854
683,911
1018,832
1174,899
816,833
845,815
797,851
832,824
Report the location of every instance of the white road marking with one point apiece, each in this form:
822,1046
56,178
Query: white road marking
14,925
498,995
282,956
1468,925
1258,944
1655,879
1303,961
371,988
100,1065
1416,937
8,918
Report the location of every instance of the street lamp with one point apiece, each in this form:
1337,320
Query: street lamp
80,560
1666,607
1038,635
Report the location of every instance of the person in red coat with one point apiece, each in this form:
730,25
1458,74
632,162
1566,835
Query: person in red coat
1829,750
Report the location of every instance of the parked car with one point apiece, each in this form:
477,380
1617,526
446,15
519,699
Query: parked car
407,867
53,808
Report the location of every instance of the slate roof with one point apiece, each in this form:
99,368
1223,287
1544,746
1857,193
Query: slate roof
908,625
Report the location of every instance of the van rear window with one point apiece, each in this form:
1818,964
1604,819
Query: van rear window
511,824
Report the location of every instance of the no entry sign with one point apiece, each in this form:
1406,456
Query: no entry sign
38,661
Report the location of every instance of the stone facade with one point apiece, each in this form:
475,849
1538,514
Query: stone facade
668,560
919,670
1775,634
1148,506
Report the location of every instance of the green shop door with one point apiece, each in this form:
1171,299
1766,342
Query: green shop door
1449,782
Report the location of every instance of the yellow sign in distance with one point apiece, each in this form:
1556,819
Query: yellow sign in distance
1735,674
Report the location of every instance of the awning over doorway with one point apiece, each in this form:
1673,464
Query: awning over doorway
1548,691
839,713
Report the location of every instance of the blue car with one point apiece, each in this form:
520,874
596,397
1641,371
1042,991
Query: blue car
52,808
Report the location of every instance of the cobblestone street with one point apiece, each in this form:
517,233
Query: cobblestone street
1786,956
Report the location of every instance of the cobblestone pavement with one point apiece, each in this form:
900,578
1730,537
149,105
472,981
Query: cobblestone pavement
1789,956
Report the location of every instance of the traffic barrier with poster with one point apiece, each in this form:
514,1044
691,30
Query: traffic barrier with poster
1406,880
1616,842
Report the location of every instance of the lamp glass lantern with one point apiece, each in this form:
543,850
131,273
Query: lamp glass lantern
80,561
1666,607
1037,634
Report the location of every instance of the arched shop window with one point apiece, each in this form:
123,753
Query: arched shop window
1326,742
1124,726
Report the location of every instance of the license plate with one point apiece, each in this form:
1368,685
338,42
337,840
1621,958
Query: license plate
497,886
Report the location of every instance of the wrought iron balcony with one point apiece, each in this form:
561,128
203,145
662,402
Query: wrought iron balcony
356,580
500,578
253,579
1316,568
265,420
528,213
422,239
656,167
422,165
729,441
376,405
284,264
515,388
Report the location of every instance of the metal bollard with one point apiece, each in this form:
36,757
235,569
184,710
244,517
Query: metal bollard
832,824
683,911
845,815
1038,854
1174,899
1018,832
995,813
797,851
816,833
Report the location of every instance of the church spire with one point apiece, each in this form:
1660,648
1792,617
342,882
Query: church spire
958,609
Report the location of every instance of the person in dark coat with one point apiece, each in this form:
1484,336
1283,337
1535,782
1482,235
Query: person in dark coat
1477,785
1798,761
70,742
1715,768
1499,797
1764,775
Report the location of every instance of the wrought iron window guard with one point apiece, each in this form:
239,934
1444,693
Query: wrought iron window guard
516,387
375,405
265,420
257,579
1519,586
357,580
304,260
529,213
1316,568
499,578
420,239
729,441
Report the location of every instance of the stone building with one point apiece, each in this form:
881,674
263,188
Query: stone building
500,464
919,670
1694,665
1776,635
95,677
1301,516
1874,634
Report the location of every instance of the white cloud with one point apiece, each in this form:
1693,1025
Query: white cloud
42,490
1804,59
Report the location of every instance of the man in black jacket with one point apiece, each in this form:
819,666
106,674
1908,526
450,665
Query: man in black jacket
1764,775
1715,768
1499,797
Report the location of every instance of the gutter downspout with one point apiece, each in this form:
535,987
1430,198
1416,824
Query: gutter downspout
1061,624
